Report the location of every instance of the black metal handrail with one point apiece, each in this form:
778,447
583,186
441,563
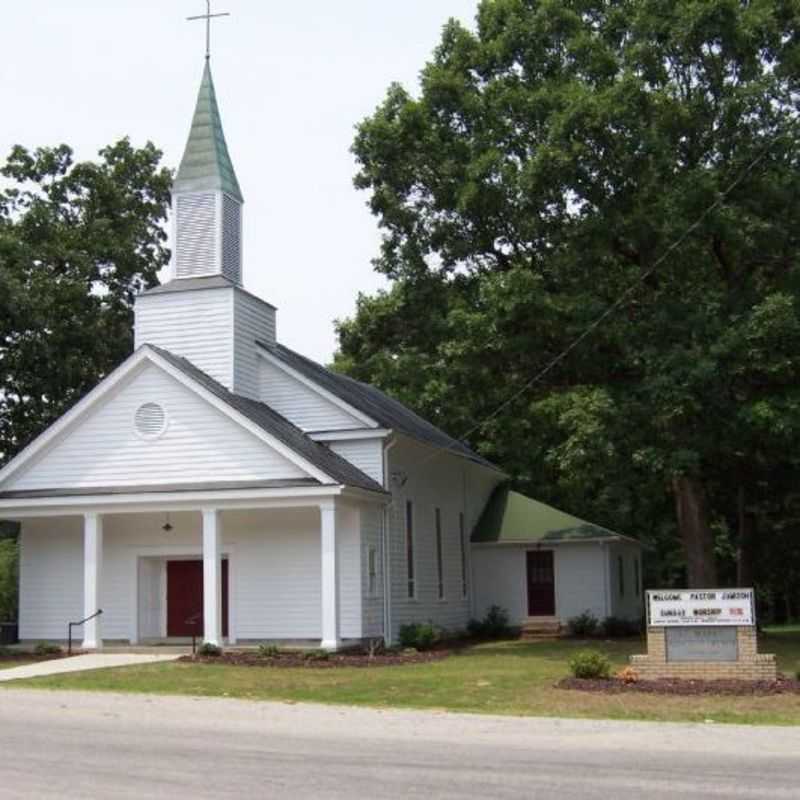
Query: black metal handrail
193,620
77,625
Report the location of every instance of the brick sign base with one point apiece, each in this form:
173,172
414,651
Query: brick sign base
750,666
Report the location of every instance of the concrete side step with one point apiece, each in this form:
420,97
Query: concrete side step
546,628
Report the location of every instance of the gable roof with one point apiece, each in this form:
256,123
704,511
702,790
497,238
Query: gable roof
319,460
511,517
264,417
206,163
384,410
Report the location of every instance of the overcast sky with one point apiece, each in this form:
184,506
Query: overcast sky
292,80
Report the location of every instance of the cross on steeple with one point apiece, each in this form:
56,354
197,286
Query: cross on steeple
208,17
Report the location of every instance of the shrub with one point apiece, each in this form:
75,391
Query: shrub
590,664
495,625
208,650
268,651
317,655
797,674
616,628
419,635
583,625
46,649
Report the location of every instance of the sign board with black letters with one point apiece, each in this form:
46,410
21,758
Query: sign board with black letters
708,607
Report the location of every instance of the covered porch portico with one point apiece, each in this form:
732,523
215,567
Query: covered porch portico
231,566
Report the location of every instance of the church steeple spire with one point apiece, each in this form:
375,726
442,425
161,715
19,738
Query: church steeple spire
207,199
206,163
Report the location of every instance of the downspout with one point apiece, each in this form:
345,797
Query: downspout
386,547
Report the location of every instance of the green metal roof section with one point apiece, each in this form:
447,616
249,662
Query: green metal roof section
512,517
206,164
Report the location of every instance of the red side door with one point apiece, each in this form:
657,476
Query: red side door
541,584
185,598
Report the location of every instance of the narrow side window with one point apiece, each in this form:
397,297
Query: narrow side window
621,569
439,554
372,571
462,535
411,572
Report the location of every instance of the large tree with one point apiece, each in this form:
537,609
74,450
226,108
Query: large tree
78,241
564,152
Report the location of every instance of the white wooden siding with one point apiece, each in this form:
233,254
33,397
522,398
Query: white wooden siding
51,577
366,454
300,404
275,573
500,577
197,325
253,321
372,606
455,486
201,444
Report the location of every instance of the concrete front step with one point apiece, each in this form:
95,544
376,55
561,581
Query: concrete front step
542,628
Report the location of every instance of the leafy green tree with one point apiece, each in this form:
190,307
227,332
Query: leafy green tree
78,241
557,156
9,572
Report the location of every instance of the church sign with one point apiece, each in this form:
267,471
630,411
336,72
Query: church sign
716,607
703,634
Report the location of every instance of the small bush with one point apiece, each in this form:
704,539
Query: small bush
583,626
317,655
617,628
495,625
4,651
208,650
419,635
268,651
797,674
590,664
47,649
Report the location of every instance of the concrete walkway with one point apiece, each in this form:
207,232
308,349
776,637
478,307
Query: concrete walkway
59,666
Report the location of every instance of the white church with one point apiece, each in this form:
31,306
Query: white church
219,485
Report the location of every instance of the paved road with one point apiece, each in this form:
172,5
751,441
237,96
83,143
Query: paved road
72,745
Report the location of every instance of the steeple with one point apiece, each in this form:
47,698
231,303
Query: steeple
206,164
207,200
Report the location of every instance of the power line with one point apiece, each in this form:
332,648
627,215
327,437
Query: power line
592,327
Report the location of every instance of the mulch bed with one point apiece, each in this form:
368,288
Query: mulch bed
313,661
731,688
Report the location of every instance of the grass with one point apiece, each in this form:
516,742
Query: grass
500,678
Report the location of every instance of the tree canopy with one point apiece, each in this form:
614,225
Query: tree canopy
78,241
552,160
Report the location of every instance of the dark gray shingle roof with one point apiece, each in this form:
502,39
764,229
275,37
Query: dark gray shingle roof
340,470
385,410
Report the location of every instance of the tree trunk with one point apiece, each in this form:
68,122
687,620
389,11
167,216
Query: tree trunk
698,541
746,551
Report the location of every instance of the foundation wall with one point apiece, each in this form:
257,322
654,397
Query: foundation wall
751,666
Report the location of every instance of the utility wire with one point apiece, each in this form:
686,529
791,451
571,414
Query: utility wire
620,301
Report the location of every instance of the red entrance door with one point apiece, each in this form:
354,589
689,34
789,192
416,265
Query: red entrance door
185,598
541,584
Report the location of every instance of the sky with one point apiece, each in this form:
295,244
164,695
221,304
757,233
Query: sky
292,80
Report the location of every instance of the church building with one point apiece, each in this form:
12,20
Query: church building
219,485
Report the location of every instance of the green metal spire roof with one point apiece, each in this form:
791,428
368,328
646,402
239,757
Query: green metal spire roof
206,164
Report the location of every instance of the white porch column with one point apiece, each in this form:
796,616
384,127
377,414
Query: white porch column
212,577
92,576
330,577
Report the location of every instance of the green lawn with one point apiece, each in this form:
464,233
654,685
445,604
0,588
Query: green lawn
503,678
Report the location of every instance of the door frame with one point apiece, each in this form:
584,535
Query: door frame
176,552
525,591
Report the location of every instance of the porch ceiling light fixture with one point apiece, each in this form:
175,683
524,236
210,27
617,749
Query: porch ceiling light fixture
167,526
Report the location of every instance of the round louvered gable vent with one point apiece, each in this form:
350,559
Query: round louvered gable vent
150,421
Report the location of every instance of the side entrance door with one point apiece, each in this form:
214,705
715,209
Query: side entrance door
185,598
541,584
